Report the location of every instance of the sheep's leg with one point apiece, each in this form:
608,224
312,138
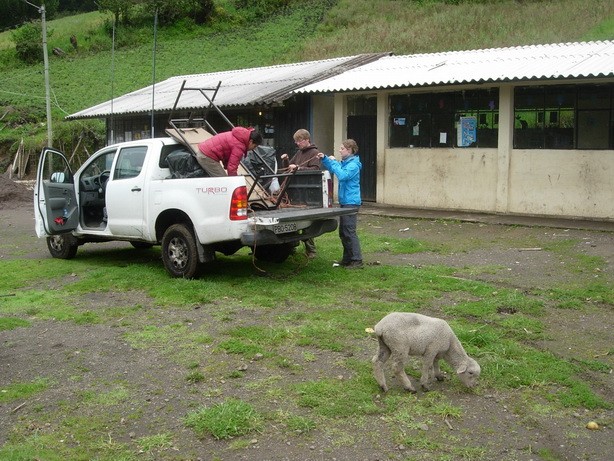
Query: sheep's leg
383,353
399,368
438,373
428,371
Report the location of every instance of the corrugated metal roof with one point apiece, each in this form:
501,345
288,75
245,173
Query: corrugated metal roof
246,87
536,62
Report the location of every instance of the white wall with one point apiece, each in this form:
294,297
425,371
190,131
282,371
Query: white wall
575,184
566,183
463,179
322,117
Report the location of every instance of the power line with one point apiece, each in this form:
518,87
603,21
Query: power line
32,4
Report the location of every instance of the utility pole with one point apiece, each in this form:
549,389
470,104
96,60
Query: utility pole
46,63
41,10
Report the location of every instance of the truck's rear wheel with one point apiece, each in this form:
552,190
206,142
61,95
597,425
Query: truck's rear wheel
179,251
273,253
63,246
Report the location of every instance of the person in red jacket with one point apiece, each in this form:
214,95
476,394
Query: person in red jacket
229,148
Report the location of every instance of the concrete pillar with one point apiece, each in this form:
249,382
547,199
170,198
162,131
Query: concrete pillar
382,142
340,121
505,146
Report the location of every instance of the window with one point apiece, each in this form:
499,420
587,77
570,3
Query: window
130,162
482,108
595,117
564,117
436,119
102,163
131,129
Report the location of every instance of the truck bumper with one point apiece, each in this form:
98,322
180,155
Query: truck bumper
268,237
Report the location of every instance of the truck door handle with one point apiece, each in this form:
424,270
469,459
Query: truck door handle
136,189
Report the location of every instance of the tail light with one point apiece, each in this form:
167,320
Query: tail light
330,191
238,204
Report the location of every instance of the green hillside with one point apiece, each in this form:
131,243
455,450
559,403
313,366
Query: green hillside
316,29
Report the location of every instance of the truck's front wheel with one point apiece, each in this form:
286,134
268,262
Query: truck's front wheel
63,246
179,251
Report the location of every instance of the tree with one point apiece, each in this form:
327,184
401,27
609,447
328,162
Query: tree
121,9
19,11
77,5
170,11
203,11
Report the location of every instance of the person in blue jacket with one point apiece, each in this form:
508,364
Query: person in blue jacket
348,175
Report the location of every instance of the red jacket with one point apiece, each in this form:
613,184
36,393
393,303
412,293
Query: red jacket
228,147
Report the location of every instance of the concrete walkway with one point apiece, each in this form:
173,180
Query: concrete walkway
369,208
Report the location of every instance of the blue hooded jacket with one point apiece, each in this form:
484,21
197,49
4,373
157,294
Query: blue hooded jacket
348,174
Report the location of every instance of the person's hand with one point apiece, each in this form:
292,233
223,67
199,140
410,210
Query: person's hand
332,157
320,155
284,156
292,167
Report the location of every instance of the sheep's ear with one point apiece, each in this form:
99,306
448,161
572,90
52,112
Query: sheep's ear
461,369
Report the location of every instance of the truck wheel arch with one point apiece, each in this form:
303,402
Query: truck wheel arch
180,253
169,217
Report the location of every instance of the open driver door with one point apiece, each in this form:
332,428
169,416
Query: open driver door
56,210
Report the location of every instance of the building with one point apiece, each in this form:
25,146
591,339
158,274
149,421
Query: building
525,130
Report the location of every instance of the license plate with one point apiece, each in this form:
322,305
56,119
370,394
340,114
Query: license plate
284,228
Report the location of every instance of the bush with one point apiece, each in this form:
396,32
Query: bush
29,42
197,10
263,8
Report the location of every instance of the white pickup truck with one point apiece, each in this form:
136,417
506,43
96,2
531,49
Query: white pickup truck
126,192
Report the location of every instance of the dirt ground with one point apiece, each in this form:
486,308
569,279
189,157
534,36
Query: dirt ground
57,349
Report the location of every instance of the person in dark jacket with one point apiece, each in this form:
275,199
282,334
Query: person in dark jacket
348,175
305,158
227,147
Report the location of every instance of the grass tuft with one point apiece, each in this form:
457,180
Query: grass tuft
231,418
18,391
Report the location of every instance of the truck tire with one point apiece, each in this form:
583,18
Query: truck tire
273,253
63,246
179,252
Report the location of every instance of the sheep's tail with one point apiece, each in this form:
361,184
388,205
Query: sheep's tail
383,351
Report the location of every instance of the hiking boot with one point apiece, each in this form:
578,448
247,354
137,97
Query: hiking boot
355,265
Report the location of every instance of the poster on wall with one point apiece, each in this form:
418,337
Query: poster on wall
467,133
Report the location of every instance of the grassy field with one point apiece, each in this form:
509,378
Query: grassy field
283,355
83,78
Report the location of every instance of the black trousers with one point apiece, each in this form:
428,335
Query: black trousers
349,238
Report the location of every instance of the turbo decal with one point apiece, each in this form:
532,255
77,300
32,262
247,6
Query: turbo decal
212,190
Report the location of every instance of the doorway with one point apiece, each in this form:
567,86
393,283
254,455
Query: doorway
362,128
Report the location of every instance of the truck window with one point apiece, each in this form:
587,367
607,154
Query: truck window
130,162
101,163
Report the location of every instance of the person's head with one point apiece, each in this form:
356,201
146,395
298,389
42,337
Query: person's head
255,139
348,147
302,138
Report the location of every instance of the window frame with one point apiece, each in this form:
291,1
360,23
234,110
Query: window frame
432,119
557,117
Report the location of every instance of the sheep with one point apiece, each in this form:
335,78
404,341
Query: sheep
401,334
